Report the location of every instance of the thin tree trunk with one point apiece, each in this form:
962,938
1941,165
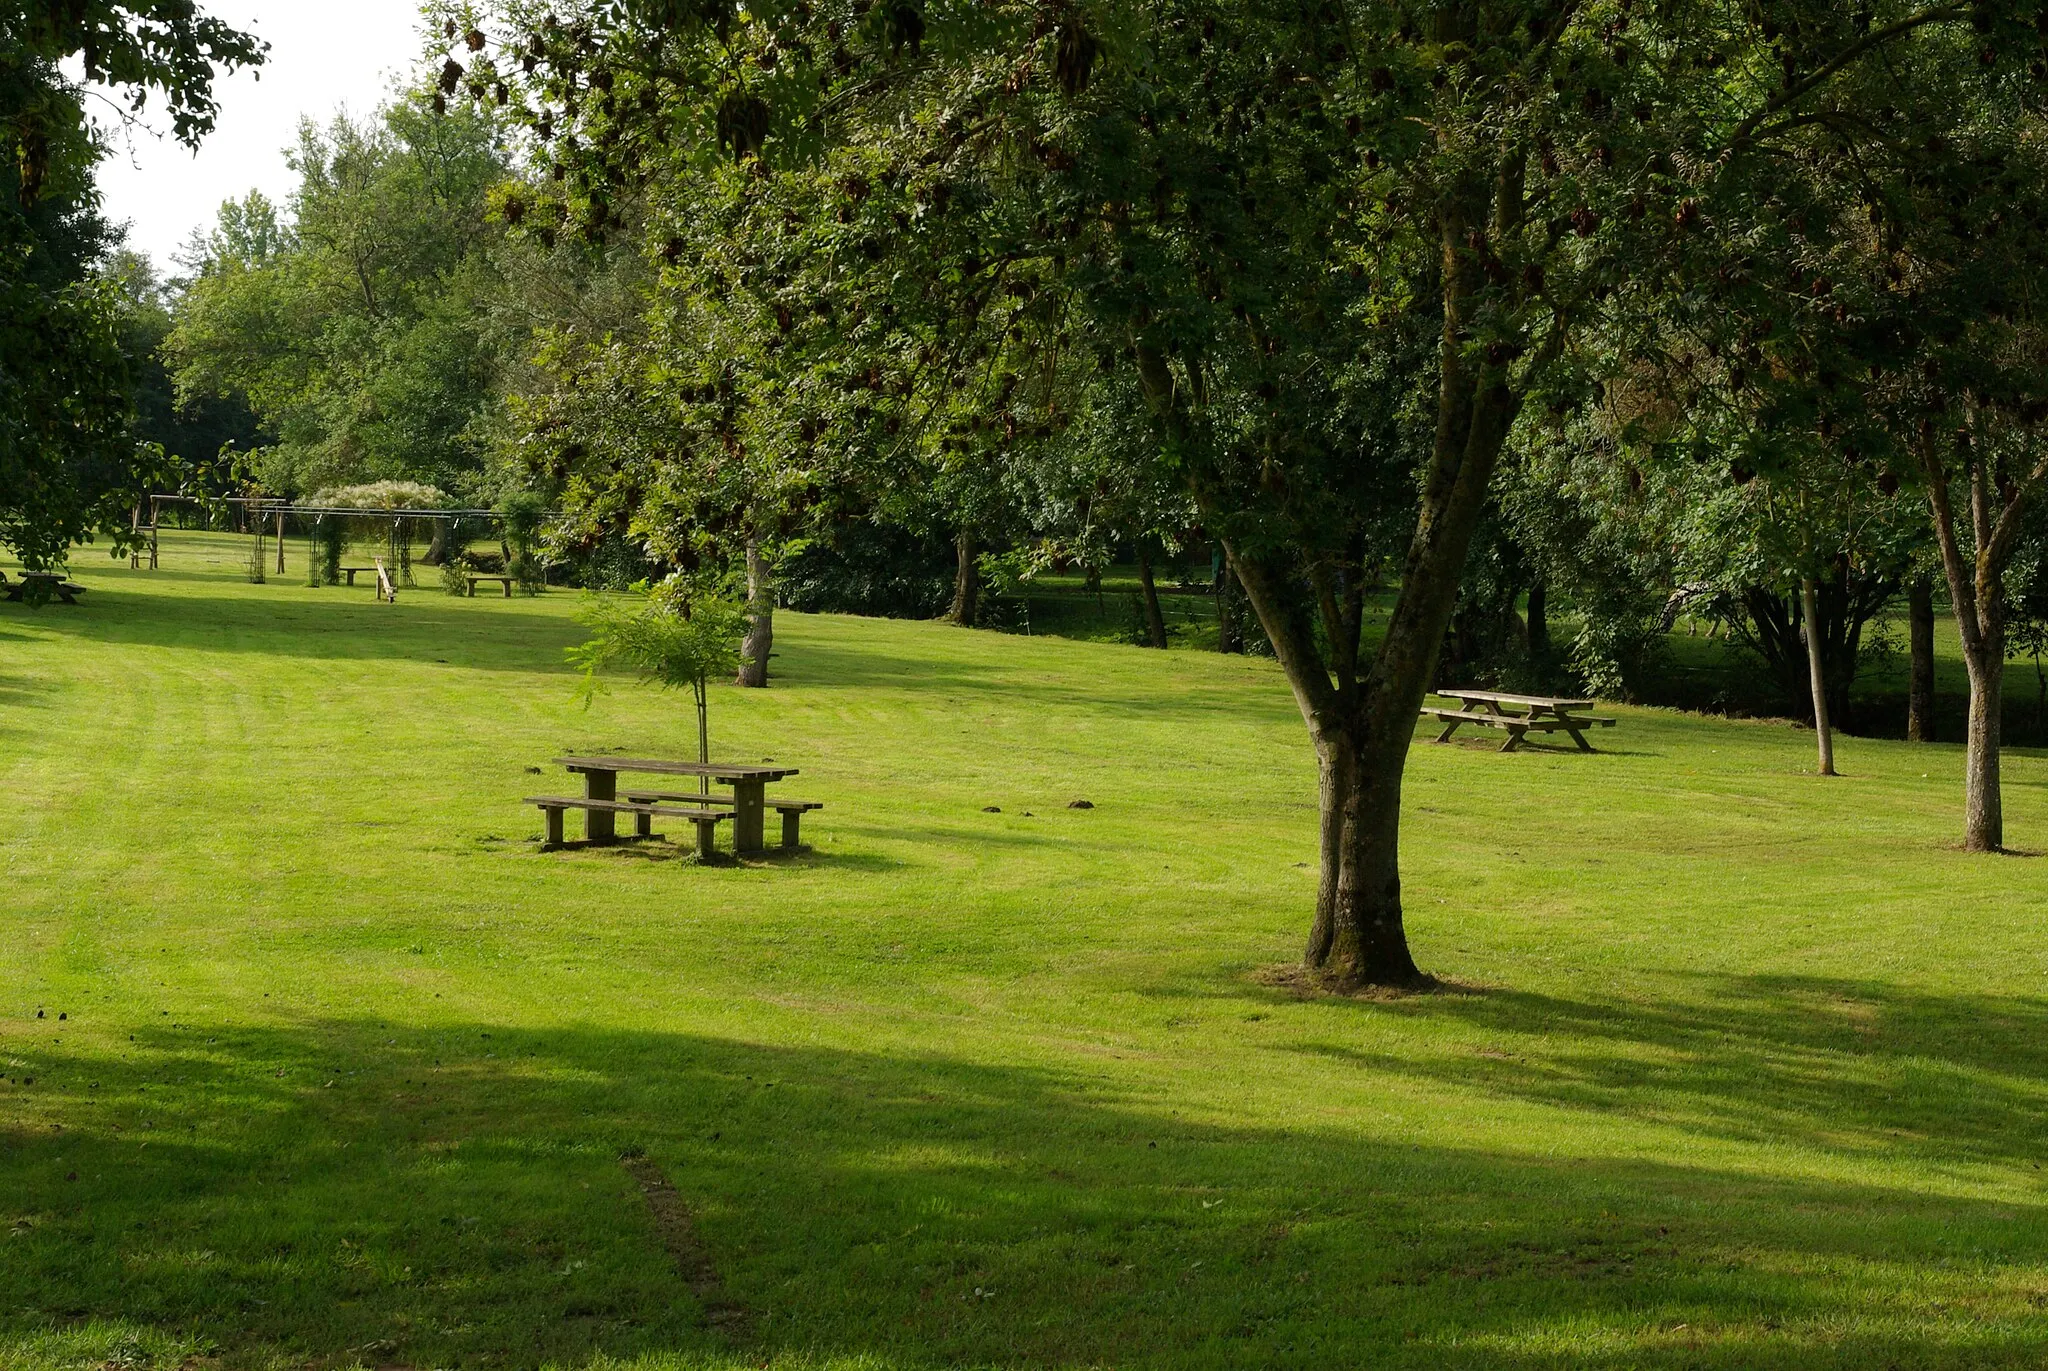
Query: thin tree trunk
966,583
760,639
701,691
1155,621
1824,738
1539,619
1983,800
1920,671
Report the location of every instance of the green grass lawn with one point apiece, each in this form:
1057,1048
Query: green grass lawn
309,1058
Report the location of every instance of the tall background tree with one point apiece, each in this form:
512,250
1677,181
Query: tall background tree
70,461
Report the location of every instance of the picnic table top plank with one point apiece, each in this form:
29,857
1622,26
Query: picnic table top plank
717,771
1508,698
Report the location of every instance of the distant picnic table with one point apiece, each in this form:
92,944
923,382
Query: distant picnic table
1497,709
59,588
602,801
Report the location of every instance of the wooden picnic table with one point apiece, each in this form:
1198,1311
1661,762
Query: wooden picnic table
601,782
1495,709
60,589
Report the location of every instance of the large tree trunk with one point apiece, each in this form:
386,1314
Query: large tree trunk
760,639
437,545
1155,621
966,583
1824,737
1363,729
1920,666
1983,802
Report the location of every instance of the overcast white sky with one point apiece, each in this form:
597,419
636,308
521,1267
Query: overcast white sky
324,54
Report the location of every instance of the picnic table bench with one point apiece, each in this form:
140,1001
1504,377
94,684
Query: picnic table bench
553,806
474,576
1539,714
61,589
747,804
792,811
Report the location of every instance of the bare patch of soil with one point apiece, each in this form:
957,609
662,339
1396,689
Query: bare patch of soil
678,1232
1304,983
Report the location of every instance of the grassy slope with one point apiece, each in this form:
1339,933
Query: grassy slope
1753,1072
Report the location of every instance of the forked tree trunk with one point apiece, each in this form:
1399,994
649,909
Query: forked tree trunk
966,583
1824,737
1362,729
760,639
1361,709
1920,666
1155,621
1976,588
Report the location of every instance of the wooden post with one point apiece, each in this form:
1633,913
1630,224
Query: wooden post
598,824
748,801
280,542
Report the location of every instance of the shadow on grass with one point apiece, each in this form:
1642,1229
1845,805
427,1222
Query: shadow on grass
422,627
297,1195
931,671
1841,1065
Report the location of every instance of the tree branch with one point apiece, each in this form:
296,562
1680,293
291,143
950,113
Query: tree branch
1870,42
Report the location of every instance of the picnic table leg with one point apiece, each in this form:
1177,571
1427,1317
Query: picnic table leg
554,826
1449,728
707,839
748,821
1515,736
597,824
643,825
1578,736
789,828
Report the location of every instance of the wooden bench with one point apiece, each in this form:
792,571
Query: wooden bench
1516,724
59,588
350,572
792,811
474,576
706,820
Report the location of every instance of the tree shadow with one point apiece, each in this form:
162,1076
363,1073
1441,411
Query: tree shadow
1848,1066
827,665
300,1193
422,627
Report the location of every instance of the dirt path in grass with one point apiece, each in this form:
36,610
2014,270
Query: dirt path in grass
679,1235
